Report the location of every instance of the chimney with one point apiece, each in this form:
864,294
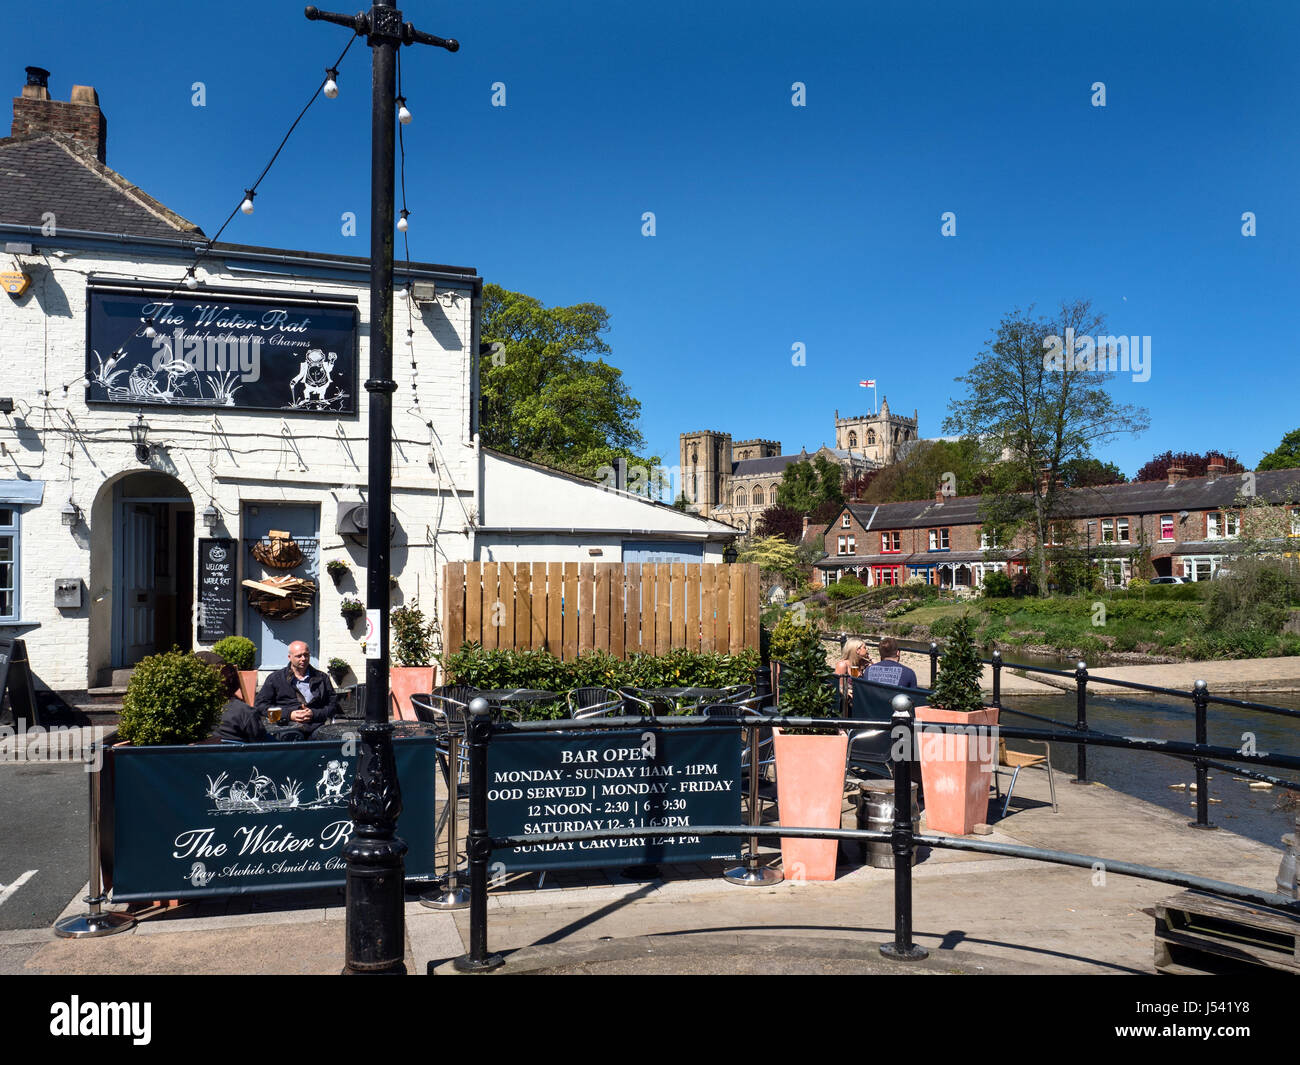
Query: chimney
1177,473
1215,467
804,534
80,118
938,494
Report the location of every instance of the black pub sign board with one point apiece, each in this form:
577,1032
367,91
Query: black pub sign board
214,349
217,586
238,819
541,783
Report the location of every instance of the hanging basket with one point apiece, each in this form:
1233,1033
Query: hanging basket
281,598
278,550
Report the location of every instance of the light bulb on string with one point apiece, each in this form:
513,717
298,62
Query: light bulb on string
402,223
149,330
403,115
247,205
191,282
331,87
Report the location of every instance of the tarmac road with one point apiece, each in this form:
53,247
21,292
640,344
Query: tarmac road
43,838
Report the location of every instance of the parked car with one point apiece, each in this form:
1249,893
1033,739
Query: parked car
1170,580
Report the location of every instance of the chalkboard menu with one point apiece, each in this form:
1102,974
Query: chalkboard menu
217,584
540,783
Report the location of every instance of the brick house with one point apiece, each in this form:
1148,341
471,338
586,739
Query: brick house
1183,527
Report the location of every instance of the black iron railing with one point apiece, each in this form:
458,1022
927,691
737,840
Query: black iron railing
902,837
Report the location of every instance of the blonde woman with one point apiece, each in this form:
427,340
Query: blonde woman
854,661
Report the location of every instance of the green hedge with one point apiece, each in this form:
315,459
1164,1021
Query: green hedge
679,668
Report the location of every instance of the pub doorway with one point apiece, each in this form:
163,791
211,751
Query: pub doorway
153,561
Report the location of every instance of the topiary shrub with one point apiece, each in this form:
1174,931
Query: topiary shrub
957,686
412,636
239,651
172,698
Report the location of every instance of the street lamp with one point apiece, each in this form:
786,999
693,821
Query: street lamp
729,553
140,437
375,918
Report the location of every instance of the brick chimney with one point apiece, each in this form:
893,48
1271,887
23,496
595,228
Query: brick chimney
1215,467
1177,473
804,535
80,117
938,494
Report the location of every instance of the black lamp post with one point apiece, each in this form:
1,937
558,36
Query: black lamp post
376,927
729,553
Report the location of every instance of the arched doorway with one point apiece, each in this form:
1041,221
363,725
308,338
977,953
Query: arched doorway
142,566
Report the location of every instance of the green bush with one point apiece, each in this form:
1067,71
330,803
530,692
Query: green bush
679,668
411,635
172,698
997,585
944,626
1255,597
803,675
957,685
239,651
848,588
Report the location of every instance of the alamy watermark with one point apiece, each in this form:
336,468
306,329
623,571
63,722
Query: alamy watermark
59,743
1110,353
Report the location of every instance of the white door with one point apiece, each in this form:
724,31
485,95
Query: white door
137,586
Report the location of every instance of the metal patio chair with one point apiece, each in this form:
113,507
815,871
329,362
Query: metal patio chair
594,702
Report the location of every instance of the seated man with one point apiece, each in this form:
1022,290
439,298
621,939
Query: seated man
889,670
305,696
240,723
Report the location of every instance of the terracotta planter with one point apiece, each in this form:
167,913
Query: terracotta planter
957,769
248,685
405,681
810,794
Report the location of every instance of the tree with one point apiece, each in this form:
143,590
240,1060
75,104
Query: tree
1285,456
772,554
546,394
785,522
807,485
1090,473
928,465
1158,468
1040,410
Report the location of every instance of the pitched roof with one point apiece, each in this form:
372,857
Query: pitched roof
50,172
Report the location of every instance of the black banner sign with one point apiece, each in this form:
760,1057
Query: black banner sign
221,350
217,584
623,778
237,819
16,680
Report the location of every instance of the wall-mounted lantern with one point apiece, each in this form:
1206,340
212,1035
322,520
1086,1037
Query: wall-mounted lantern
210,518
70,514
140,437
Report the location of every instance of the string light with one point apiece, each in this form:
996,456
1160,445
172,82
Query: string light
149,330
403,115
402,223
247,205
331,87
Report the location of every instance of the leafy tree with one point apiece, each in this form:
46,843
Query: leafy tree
682,502
773,554
926,466
807,485
785,522
547,394
1090,473
1158,468
1285,456
1041,413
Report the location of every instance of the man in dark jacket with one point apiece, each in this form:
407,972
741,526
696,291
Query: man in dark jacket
305,696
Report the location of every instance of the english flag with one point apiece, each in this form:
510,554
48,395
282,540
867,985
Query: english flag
867,384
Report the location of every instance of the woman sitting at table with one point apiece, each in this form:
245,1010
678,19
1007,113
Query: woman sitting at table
855,659
240,723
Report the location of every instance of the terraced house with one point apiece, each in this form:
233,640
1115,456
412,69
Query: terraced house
1187,527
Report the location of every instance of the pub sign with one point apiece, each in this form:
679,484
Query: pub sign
242,351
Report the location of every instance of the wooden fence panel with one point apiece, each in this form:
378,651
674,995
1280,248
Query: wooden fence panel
586,592
453,595
474,602
600,609
571,608
693,591
554,611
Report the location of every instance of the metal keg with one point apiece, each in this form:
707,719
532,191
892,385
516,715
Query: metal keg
876,811
1287,871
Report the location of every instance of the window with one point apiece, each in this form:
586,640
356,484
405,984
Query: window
1054,533
1295,521
871,437
758,497
853,439
888,574
853,546
989,538
1121,530
844,521
891,542
841,546
8,563
742,498
1166,526
1107,530
938,539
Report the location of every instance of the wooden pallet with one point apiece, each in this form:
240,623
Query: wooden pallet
1197,932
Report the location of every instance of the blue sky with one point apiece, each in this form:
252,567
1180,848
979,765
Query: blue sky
775,224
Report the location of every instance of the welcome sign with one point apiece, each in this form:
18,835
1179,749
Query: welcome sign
238,819
222,350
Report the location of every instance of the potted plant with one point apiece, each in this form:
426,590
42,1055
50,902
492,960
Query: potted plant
809,761
171,698
241,653
412,648
337,569
351,609
338,669
957,767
